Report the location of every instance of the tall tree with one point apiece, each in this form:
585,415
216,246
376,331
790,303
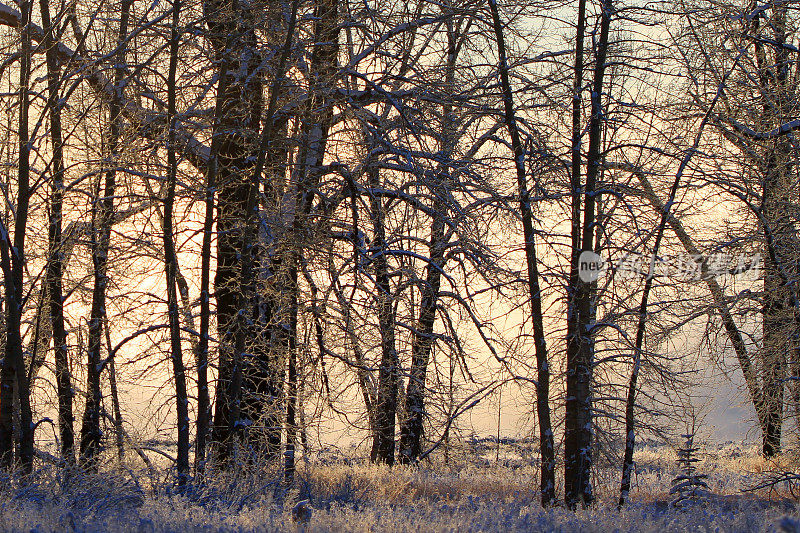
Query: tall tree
546,445
273,127
439,186
102,220
55,264
171,257
780,334
757,120
202,349
581,297
231,32
13,376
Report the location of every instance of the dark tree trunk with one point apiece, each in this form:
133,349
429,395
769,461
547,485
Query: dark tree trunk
582,294
54,274
119,432
778,324
272,289
383,443
576,468
13,373
422,341
202,349
277,302
423,336
171,260
546,446
239,103
102,219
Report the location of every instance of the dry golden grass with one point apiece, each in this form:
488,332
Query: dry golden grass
405,485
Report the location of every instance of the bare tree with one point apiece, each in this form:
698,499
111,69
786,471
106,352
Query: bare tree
231,32
55,265
171,258
581,294
757,169
102,217
546,445
13,375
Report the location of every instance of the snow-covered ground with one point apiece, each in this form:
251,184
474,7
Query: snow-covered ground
474,492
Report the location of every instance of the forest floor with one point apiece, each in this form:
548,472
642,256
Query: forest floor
480,489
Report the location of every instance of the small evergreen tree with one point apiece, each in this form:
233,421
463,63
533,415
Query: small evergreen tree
689,486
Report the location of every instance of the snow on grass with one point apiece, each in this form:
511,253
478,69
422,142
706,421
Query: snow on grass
346,494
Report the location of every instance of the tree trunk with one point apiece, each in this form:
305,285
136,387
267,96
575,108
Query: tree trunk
13,371
102,219
171,260
389,369
422,341
239,100
546,445
778,325
112,382
54,273
202,349
581,300
423,334
269,282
